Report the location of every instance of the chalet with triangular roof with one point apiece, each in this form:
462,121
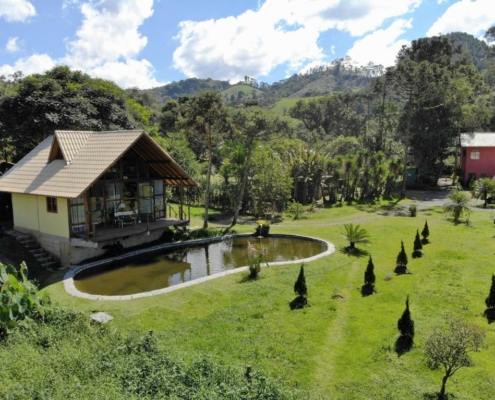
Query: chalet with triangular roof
80,192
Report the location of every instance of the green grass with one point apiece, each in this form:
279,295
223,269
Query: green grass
336,348
283,106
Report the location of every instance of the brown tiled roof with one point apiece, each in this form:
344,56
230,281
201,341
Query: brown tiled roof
86,156
478,139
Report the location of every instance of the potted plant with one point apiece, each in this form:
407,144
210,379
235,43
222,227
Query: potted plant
262,228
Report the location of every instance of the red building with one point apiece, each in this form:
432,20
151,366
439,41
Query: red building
477,156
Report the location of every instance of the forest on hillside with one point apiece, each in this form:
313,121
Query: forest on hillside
353,139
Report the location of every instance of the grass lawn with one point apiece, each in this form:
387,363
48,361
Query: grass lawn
336,348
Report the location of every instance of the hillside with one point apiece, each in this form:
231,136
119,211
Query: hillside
478,50
187,87
342,75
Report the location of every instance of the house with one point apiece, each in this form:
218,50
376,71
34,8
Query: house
477,156
80,192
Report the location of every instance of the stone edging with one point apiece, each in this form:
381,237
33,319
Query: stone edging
71,288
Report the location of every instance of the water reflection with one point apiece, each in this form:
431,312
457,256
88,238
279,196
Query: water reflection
157,271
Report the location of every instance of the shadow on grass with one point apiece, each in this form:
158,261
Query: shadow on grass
436,396
403,344
402,270
249,278
417,254
367,290
354,251
298,303
425,242
489,314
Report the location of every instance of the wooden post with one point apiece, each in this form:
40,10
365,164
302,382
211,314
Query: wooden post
164,200
181,216
87,215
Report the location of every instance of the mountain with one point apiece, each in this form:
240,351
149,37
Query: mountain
342,75
478,50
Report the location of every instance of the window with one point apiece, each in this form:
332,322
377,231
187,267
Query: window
51,204
475,154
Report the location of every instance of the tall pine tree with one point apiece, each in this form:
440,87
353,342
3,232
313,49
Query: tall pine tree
401,267
425,233
417,246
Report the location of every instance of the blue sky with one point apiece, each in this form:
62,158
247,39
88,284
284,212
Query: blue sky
148,43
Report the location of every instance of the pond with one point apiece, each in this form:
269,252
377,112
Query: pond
170,267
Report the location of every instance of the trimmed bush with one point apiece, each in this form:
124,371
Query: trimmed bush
425,233
401,264
417,246
369,279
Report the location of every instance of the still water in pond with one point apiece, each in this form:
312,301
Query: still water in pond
156,271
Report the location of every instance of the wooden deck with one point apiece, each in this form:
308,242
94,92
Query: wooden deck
112,233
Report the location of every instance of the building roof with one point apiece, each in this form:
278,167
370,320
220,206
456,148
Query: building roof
478,139
67,163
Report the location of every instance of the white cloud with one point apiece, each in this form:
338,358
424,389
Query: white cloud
131,73
12,45
30,65
108,42
16,10
470,16
381,46
279,32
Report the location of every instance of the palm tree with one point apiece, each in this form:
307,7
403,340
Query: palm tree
483,188
457,205
354,234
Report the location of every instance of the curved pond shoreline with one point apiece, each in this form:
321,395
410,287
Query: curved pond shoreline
71,288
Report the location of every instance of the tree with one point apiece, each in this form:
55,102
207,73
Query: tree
36,105
205,120
417,246
300,287
450,349
490,300
252,124
401,264
269,181
425,233
457,205
369,279
355,234
405,324
483,188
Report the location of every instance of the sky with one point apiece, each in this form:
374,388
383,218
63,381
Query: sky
149,43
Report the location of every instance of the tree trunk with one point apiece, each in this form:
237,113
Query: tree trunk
207,191
442,390
245,174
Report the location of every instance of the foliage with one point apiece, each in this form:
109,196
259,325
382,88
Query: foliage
269,184
483,188
413,210
450,349
417,246
19,300
40,103
254,261
295,209
401,263
205,121
102,362
251,125
356,235
457,206
425,233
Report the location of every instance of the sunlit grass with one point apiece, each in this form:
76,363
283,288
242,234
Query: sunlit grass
338,348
